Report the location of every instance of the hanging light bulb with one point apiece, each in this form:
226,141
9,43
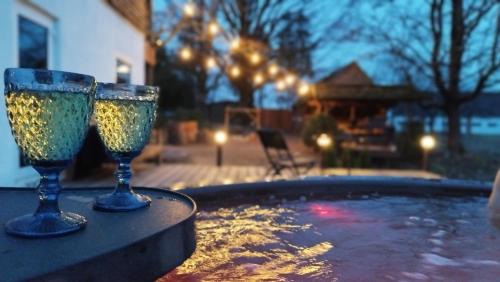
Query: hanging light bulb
303,88
235,71
186,54
213,28
290,79
280,85
235,44
273,69
210,63
255,58
258,79
189,10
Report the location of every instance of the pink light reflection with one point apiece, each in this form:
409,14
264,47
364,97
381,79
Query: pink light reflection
329,211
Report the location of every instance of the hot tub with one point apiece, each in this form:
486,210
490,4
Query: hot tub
344,228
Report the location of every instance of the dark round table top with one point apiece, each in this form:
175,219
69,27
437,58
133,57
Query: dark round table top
139,245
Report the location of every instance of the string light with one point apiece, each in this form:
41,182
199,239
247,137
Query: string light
189,10
235,44
280,85
255,58
290,79
210,63
159,42
303,89
273,70
258,79
235,71
186,54
213,28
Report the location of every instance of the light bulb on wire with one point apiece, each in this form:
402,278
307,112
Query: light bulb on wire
213,28
189,10
186,54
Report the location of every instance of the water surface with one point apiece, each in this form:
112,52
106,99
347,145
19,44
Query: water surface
370,239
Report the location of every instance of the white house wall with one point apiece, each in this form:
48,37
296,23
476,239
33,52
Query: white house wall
85,36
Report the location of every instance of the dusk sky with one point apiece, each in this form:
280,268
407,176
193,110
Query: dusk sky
332,53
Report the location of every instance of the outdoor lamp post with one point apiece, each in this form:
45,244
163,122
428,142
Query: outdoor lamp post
324,142
428,143
220,138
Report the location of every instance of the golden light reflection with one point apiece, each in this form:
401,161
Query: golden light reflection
246,241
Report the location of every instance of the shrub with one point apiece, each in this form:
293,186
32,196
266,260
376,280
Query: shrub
408,141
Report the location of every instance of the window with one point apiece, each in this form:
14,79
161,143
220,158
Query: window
123,72
33,44
33,52
492,124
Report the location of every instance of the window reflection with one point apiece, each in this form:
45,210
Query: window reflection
33,44
123,72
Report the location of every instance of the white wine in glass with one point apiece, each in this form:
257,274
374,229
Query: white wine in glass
125,115
49,114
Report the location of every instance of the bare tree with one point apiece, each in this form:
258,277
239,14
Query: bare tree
265,27
452,44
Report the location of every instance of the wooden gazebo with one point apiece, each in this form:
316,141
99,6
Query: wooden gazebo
360,108
357,104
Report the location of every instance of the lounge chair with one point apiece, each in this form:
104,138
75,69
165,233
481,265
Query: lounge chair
279,156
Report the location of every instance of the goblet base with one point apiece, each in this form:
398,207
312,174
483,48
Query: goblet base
121,201
39,225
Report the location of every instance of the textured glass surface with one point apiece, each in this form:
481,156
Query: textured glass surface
49,126
124,125
125,114
49,114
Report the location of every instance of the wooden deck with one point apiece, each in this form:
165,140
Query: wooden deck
178,176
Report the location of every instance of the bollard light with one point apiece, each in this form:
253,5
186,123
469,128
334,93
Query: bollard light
428,143
324,141
220,138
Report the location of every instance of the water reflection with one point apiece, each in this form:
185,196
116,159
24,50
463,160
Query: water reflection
251,241
363,239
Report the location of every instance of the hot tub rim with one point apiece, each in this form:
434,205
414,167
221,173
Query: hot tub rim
341,186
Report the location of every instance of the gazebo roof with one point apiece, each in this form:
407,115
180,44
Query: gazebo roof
352,83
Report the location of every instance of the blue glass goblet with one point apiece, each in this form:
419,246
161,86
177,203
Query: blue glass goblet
125,115
49,114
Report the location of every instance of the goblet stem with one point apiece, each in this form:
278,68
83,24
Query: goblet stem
123,197
48,190
48,220
123,175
